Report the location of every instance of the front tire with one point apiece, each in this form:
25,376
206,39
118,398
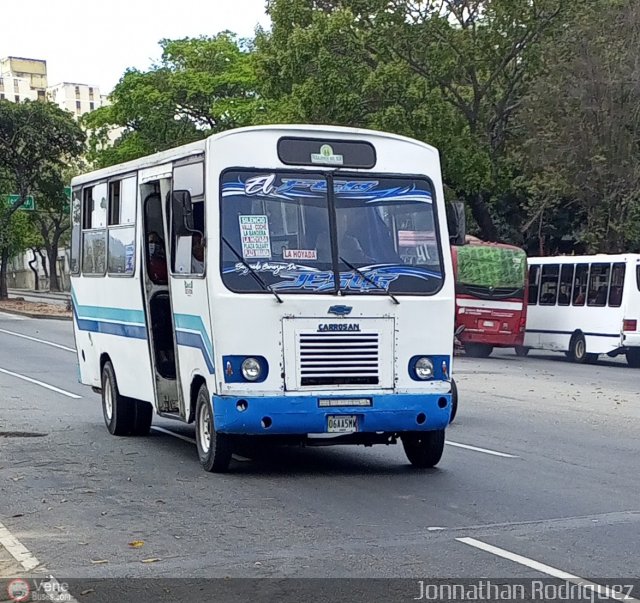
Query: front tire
454,400
633,358
214,449
478,350
118,411
424,448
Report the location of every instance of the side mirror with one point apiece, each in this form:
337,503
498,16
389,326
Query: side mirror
181,213
457,223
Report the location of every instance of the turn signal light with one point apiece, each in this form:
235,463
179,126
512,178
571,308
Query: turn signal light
629,325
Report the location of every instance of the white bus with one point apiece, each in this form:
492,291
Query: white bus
585,306
292,283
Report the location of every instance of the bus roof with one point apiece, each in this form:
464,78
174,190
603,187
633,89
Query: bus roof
584,259
197,147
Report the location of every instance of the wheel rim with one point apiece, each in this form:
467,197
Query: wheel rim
580,348
108,399
204,429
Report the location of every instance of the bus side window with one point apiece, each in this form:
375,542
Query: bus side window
549,284
534,284
580,284
617,285
566,282
599,285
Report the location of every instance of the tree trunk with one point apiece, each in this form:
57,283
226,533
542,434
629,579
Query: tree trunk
480,212
4,261
35,269
52,252
44,263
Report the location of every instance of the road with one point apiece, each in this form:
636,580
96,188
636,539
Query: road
540,468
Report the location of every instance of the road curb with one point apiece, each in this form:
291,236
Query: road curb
34,315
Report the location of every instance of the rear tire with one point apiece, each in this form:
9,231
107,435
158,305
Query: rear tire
578,349
214,449
454,400
633,358
522,351
118,411
478,350
424,448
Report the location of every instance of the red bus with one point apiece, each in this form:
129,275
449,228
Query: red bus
491,296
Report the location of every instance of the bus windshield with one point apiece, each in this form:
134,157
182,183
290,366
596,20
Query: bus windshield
491,271
382,236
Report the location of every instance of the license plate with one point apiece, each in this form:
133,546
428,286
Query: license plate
489,323
342,424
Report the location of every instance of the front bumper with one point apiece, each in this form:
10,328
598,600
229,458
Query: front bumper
297,415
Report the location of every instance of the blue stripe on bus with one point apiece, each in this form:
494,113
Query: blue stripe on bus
194,340
112,328
114,319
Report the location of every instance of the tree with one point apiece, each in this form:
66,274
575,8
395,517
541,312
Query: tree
34,136
580,126
200,86
451,72
51,218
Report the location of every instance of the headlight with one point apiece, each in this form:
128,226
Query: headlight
424,369
251,369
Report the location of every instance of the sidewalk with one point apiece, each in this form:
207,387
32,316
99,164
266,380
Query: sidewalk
43,297
37,304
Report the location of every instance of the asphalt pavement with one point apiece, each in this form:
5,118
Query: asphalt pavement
539,475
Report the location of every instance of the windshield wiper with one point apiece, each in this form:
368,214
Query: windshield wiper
255,275
369,280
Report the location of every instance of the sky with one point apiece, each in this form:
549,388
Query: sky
94,41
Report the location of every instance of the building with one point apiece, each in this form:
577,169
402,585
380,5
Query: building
22,78
76,98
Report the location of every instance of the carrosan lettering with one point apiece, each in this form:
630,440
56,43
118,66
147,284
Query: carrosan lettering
338,327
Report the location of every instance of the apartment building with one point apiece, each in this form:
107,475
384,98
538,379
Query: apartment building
22,79
76,98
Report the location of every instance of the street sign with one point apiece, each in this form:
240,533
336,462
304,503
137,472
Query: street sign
30,204
67,192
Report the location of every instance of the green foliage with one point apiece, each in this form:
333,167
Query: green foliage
35,137
200,86
533,104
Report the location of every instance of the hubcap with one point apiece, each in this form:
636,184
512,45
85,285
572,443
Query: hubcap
108,399
204,429
580,347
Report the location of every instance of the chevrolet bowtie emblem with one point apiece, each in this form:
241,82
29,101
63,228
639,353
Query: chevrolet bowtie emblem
340,310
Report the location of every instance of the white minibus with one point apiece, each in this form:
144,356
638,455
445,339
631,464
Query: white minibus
287,283
585,306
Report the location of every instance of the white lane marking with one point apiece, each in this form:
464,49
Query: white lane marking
11,316
17,550
41,384
174,434
547,569
54,345
483,450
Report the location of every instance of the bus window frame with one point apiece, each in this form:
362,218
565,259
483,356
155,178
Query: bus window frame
555,298
120,178
328,175
586,285
103,229
534,284
199,198
572,267
615,265
592,303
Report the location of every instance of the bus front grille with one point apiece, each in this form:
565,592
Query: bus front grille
339,359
